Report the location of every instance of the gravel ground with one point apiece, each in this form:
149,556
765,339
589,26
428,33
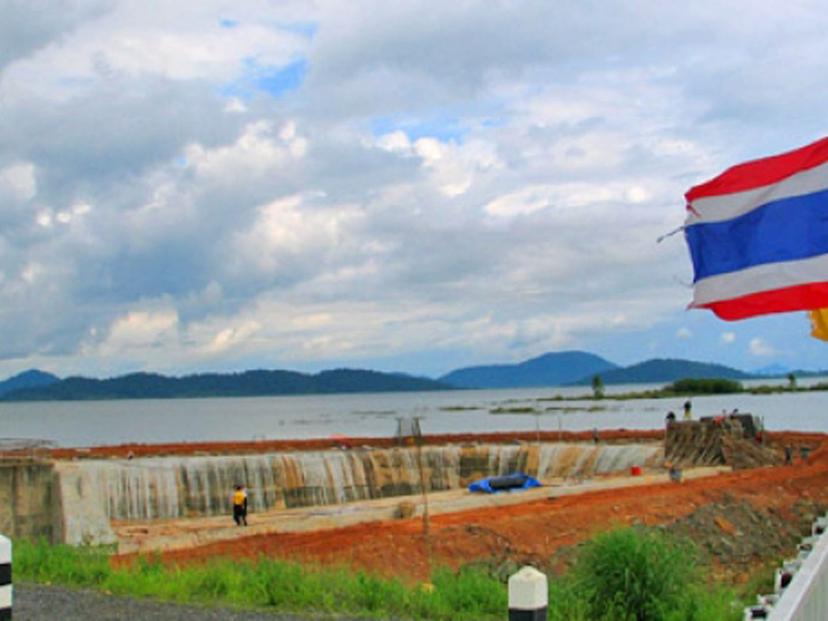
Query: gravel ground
50,603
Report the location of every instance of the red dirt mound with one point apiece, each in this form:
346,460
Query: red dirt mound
535,531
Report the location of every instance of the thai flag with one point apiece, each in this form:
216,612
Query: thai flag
758,235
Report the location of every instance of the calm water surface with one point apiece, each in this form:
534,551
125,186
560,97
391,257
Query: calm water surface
93,423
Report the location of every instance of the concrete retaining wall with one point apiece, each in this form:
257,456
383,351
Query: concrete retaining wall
29,504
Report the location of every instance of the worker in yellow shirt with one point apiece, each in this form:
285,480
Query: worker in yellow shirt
240,505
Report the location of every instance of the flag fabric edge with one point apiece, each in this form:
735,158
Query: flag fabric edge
762,171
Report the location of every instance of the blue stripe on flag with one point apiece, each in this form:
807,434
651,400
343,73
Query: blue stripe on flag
785,230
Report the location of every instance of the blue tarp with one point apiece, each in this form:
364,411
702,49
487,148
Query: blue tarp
505,483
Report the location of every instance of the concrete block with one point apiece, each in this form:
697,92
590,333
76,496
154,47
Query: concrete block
528,595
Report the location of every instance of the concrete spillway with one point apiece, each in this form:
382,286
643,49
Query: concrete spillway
75,500
96,491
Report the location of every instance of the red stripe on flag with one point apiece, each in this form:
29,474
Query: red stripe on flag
801,297
761,172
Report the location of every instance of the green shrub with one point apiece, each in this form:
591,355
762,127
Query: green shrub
635,574
715,386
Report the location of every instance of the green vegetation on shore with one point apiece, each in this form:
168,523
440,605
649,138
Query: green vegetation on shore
694,387
631,573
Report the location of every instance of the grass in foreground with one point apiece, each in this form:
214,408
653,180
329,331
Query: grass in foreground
627,574
278,585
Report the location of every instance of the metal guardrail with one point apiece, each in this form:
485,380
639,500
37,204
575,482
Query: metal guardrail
801,584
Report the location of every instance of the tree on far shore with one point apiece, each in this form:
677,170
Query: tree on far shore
597,387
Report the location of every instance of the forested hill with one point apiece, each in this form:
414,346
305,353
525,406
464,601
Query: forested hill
28,379
659,370
247,384
552,369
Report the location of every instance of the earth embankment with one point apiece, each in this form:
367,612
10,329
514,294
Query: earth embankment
742,519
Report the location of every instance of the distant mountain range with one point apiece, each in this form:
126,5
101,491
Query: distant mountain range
551,369
578,368
247,384
668,370
773,370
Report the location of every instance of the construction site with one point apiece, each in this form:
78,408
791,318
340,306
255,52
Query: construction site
399,506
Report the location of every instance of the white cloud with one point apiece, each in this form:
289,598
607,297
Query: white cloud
140,329
758,347
32,272
258,150
728,337
396,141
683,333
19,181
287,232
232,336
451,167
524,201
75,211
567,196
235,105
44,218
172,42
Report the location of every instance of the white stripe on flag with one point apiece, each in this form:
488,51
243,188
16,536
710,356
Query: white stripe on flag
760,278
729,206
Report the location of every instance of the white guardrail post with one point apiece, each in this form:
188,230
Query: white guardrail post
528,595
5,579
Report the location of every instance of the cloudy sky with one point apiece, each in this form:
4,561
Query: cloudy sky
413,186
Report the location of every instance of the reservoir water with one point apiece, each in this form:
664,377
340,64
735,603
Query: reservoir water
91,423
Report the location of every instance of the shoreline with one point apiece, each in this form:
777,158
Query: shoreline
341,442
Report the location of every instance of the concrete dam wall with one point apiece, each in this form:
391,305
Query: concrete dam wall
75,500
187,486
